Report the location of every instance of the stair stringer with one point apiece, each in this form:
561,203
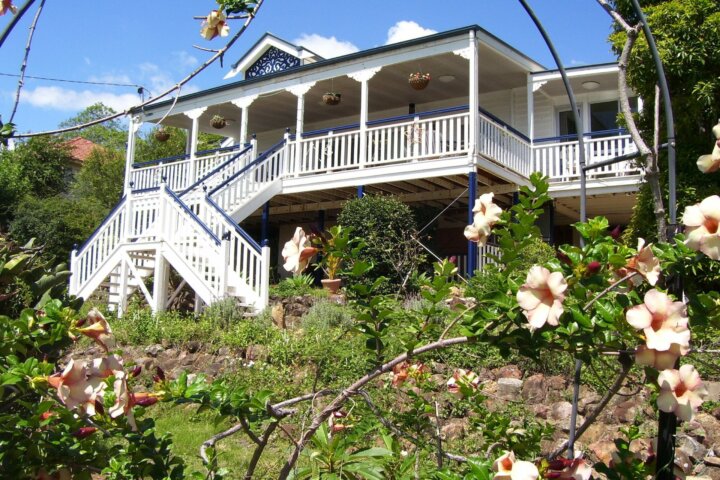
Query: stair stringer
187,273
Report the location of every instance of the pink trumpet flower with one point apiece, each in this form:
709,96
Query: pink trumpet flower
297,252
486,216
645,263
98,329
506,467
541,297
701,226
681,391
215,25
662,321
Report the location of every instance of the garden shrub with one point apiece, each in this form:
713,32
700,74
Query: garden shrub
324,315
388,228
294,286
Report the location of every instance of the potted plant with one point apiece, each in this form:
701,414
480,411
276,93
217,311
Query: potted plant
419,80
218,121
331,98
162,135
337,247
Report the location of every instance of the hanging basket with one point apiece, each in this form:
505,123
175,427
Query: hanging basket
162,135
218,122
331,98
419,80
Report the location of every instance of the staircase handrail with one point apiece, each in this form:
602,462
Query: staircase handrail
215,170
264,156
184,156
246,236
192,215
107,218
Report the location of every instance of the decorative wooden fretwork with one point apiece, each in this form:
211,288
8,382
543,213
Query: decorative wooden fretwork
274,60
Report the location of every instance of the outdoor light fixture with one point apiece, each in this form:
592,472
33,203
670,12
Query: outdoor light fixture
446,78
590,85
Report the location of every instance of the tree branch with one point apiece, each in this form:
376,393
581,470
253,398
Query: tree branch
182,82
23,66
338,402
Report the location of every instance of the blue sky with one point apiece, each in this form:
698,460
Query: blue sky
150,42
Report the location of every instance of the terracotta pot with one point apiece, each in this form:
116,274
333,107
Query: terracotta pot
419,83
331,286
331,98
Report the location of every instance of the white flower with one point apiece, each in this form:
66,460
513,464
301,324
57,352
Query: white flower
701,226
682,391
297,252
541,296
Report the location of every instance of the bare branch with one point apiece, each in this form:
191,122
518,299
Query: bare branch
615,15
599,295
21,81
182,82
609,394
259,449
248,432
338,402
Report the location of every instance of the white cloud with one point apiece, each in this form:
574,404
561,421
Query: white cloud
326,47
406,30
111,78
58,98
184,60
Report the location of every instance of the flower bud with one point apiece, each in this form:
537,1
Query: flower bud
593,267
144,399
136,371
159,375
564,258
615,232
84,432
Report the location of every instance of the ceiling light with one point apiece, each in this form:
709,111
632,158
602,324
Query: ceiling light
590,85
446,78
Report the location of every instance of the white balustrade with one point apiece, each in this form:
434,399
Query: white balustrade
504,146
329,153
561,160
177,173
484,253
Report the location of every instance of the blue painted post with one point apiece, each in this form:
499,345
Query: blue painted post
360,191
321,220
472,246
551,214
264,241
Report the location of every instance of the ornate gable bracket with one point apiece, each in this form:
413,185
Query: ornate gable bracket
244,102
300,90
364,75
273,60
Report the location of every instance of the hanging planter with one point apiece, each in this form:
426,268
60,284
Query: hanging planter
162,135
331,98
419,80
218,122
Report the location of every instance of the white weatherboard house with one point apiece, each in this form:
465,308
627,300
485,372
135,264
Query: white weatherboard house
488,117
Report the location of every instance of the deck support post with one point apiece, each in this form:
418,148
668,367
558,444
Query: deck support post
360,191
264,220
194,115
122,289
133,127
363,76
160,282
472,246
551,214
530,107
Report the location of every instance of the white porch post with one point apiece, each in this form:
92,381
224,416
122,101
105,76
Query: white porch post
364,76
193,115
299,91
244,105
530,108
134,125
474,97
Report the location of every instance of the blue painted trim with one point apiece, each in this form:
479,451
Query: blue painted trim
247,167
184,156
146,190
264,223
192,215
104,222
429,113
599,133
232,222
509,127
216,169
360,191
321,131
472,246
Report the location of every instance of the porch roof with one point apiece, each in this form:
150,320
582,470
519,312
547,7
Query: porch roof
486,38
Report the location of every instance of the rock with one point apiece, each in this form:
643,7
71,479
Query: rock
277,313
713,389
193,346
625,412
712,461
588,400
154,350
508,371
541,411
454,428
711,427
602,450
533,390
438,380
561,412
256,353
694,449
682,461
598,432
556,386
510,388
224,352
642,448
